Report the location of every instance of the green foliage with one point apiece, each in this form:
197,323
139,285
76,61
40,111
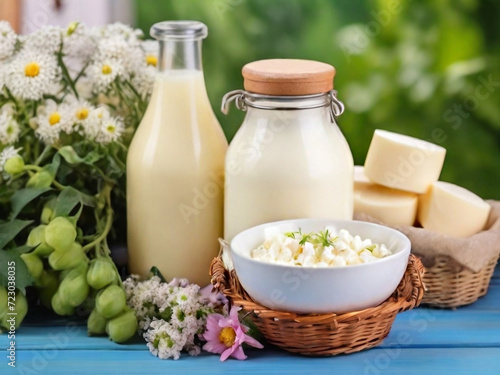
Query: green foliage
416,68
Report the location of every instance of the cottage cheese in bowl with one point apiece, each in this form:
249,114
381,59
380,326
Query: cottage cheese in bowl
324,248
319,265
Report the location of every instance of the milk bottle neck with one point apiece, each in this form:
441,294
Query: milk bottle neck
180,44
180,54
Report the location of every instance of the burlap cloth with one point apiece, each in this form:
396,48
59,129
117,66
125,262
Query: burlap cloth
473,252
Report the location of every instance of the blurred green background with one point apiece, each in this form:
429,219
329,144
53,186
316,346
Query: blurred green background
429,69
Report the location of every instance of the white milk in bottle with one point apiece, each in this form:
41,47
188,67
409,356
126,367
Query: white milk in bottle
289,159
175,165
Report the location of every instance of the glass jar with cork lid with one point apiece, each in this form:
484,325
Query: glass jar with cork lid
289,159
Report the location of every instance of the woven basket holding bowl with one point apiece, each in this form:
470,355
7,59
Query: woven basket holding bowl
324,334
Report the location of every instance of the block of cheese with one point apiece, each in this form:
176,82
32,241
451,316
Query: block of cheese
390,206
452,210
360,178
402,162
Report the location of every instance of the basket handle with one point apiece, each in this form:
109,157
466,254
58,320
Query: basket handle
413,286
218,275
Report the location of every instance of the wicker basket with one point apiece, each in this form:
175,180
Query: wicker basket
325,334
449,284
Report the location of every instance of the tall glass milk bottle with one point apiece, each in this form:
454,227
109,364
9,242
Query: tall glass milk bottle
175,165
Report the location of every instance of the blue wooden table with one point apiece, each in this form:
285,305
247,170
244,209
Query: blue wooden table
422,341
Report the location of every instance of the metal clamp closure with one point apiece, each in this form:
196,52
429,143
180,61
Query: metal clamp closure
242,100
238,96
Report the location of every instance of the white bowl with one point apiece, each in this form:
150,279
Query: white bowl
306,290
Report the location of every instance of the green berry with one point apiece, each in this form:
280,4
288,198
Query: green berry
37,238
101,273
48,211
68,259
60,306
60,233
110,301
74,288
33,263
14,165
122,327
47,286
96,325
40,179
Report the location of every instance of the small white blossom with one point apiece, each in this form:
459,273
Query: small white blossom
164,340
170,315
104,72
45,40
8,40
9,128
32,74
77,41
116,48
91,127
110,130
144,80
51,120
118,29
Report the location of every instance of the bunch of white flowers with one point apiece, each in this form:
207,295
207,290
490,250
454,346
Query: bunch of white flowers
89,82
171,315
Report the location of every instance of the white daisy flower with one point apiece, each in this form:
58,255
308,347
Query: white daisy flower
151,50
9,128
8,39
46,40
31,74
6,154
77,41
51,120
79,109
129,54
92,125
144,80
110,130
104,72
118,29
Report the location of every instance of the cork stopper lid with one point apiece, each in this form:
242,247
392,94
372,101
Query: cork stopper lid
288,77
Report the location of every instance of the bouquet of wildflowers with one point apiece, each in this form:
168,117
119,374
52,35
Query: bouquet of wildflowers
178,316
70,100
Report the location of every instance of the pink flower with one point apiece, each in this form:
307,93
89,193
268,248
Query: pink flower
225,335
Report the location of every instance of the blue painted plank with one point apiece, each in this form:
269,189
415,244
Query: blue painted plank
496,274
424,327
455,361
421,327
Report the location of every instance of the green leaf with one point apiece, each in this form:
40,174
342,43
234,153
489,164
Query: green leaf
69,198
54,166
10,230
156,272
24,196
12,258
66,201
69,154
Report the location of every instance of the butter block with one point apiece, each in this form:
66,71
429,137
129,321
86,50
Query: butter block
392,207
452,210
402,162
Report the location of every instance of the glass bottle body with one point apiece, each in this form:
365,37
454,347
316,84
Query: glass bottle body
175,170
288,160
